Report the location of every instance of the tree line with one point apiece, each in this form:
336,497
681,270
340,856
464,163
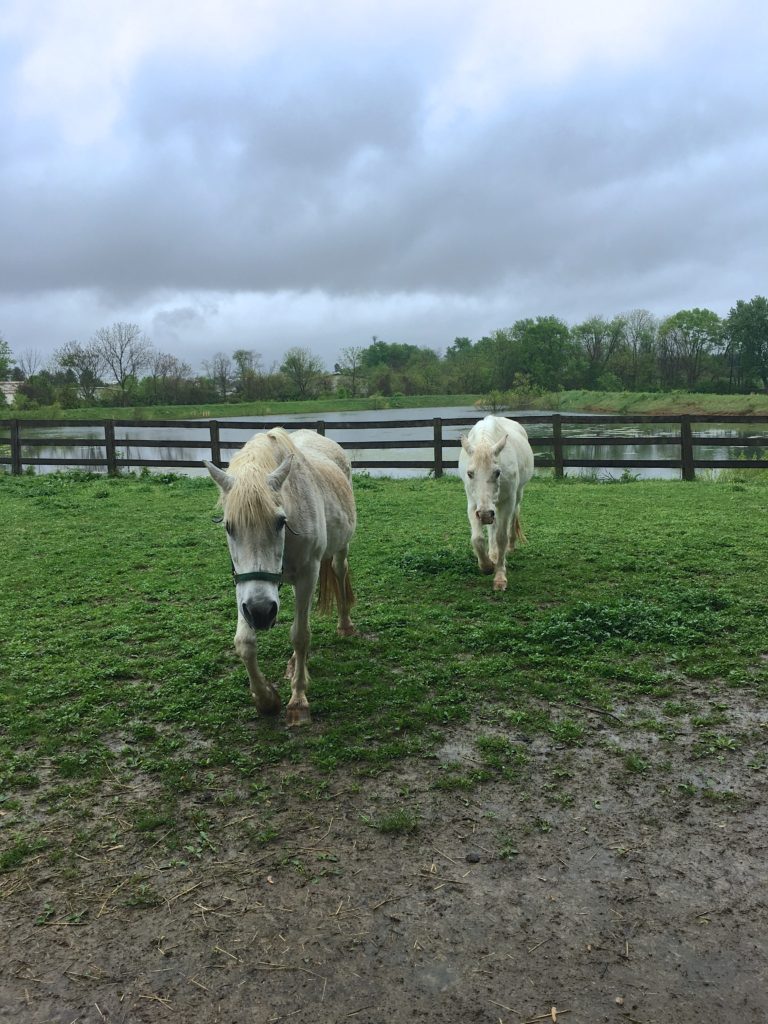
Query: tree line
693,349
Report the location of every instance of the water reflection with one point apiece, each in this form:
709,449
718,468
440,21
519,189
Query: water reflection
86,444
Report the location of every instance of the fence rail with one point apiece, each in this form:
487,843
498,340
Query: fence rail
116,449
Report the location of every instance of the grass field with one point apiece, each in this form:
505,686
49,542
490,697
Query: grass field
641,605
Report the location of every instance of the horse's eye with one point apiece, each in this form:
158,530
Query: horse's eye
496,474
471,474
281,521
228,528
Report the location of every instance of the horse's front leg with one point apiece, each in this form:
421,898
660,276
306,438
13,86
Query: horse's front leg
499,544
264,695
478,540
297,709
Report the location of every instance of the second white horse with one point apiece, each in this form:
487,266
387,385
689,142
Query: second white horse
495,463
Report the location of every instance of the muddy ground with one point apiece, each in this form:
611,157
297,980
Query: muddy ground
628,899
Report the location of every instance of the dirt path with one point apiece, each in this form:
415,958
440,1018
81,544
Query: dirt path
622,901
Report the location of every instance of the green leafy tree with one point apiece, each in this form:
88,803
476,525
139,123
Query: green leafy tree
422,374
685,340
6,359
747,330
599,340
465,370
304,373
501,352
545,352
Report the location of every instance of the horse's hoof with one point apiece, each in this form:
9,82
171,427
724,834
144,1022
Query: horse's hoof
487,570
349,630
297,715
268,710
267,706
500,584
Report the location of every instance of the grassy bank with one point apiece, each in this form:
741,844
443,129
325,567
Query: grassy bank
625,402
230,409
653,403
637,605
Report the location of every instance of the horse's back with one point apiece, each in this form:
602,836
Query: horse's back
331,471
315,445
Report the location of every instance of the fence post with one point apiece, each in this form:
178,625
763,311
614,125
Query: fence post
215,443
437,425
15,447
557,444
320,427
109,444
686,449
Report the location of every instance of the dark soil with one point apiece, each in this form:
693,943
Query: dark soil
616,897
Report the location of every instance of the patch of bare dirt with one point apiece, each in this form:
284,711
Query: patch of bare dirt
617,898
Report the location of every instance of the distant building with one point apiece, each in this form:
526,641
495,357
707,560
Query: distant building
9,389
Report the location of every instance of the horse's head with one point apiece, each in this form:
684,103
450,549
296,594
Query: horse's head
481,473
255,519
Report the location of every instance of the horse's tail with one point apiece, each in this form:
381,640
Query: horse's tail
330,589
519,535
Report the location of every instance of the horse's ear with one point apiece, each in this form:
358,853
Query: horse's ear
276,479
220,478
499,445
466,445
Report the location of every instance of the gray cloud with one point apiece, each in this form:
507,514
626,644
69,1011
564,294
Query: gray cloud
321,199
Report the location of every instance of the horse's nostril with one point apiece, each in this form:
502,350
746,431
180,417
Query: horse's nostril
260,616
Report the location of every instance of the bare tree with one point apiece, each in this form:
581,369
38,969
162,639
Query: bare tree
248,365
167,374
640,332
350,366
29,362
125,351
85,363
221,373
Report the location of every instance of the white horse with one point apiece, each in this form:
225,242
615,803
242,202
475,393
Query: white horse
495,463
289,514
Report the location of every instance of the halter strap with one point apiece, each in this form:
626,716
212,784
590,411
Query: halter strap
268,577
258,574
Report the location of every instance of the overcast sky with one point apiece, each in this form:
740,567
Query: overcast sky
268,173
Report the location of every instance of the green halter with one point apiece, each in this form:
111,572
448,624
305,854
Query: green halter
259,574
268,577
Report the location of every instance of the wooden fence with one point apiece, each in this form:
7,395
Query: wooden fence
116,454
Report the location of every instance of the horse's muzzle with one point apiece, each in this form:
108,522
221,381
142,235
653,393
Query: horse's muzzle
486,516
260,616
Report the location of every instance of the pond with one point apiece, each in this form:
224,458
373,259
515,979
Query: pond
63,448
